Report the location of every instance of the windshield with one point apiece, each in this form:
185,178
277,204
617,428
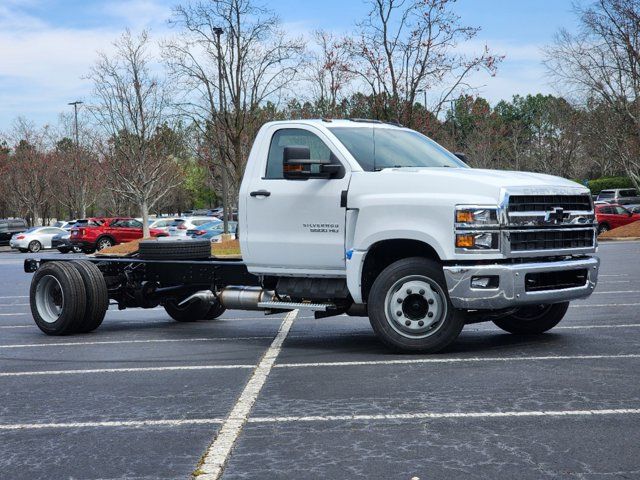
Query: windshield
378,148
606,194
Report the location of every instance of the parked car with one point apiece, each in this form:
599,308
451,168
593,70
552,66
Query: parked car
620,196
109,232
9,227
179,226
34,239
633,208
162,224
62,242
214,234
64,224
233,216
614,216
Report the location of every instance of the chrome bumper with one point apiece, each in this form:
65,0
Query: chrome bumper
511,291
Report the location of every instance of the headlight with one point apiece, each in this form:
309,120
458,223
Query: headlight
476,216
478,240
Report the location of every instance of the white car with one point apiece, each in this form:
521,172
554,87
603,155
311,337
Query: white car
35,238
179,226
162,224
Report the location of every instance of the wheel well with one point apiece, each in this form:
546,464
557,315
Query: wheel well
106,236
384,253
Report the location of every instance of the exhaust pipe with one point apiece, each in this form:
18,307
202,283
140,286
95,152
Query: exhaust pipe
235,297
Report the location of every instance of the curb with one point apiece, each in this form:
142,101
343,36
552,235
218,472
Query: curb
619,239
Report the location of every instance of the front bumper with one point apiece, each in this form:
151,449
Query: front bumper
511,290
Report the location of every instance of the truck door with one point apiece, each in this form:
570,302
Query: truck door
296,224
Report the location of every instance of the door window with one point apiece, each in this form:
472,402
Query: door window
289,137
621,211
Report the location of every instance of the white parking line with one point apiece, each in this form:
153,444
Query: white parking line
18,326
616,292
14,314
435,416
124,423
324,418
14,305
126,370
607,282
587,327
613,275
163,340
410,361
15,296
218,452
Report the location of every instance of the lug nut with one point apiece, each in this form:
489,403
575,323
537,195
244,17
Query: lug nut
400,300
409,291
399,313
421,291
431,301
421,323
430,314
407,323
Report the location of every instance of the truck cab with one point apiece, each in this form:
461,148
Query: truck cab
345,200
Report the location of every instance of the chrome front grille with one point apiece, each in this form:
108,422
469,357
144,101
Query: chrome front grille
539,223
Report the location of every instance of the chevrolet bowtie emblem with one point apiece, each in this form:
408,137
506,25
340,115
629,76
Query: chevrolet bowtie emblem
556,215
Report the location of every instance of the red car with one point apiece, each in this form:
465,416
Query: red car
108,232
613,216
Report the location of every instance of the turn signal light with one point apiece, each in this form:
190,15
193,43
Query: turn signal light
465,241
464,216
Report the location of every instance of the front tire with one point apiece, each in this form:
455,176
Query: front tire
603,227
35,246
409,308
534,319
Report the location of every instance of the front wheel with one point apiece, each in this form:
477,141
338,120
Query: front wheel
602,228
534,319
409,308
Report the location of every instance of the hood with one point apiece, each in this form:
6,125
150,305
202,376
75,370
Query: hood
479,185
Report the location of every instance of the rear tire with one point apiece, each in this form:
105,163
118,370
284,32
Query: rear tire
35,246
57,298
104,242
190,312
409,307
533,320
96,294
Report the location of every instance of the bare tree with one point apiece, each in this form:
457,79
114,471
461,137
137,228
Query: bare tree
132,110
329,72
601,64
76,184
28,172
404,47
242,44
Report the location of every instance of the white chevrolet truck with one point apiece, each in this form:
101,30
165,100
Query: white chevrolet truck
363,218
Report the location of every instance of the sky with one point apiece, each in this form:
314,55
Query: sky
48,46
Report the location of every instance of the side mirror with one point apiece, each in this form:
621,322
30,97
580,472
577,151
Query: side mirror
298,165
461,156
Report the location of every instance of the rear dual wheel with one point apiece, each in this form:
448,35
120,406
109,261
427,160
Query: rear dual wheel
68,297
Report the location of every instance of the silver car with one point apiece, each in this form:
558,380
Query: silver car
34,239
179,226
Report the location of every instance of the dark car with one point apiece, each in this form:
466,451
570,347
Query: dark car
9,227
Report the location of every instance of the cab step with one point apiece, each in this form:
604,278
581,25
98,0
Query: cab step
316,307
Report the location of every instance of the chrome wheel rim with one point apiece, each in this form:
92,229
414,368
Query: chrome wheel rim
104,243
49,299
34,246
415,307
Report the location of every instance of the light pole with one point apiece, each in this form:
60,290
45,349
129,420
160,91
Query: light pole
225,188
75,111
426,111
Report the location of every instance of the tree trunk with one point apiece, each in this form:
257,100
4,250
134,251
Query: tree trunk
144,210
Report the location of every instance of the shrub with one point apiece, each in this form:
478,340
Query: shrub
606,183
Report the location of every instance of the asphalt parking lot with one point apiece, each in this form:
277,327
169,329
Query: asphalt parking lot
144,397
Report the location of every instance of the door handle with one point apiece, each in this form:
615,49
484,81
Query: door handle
260,193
